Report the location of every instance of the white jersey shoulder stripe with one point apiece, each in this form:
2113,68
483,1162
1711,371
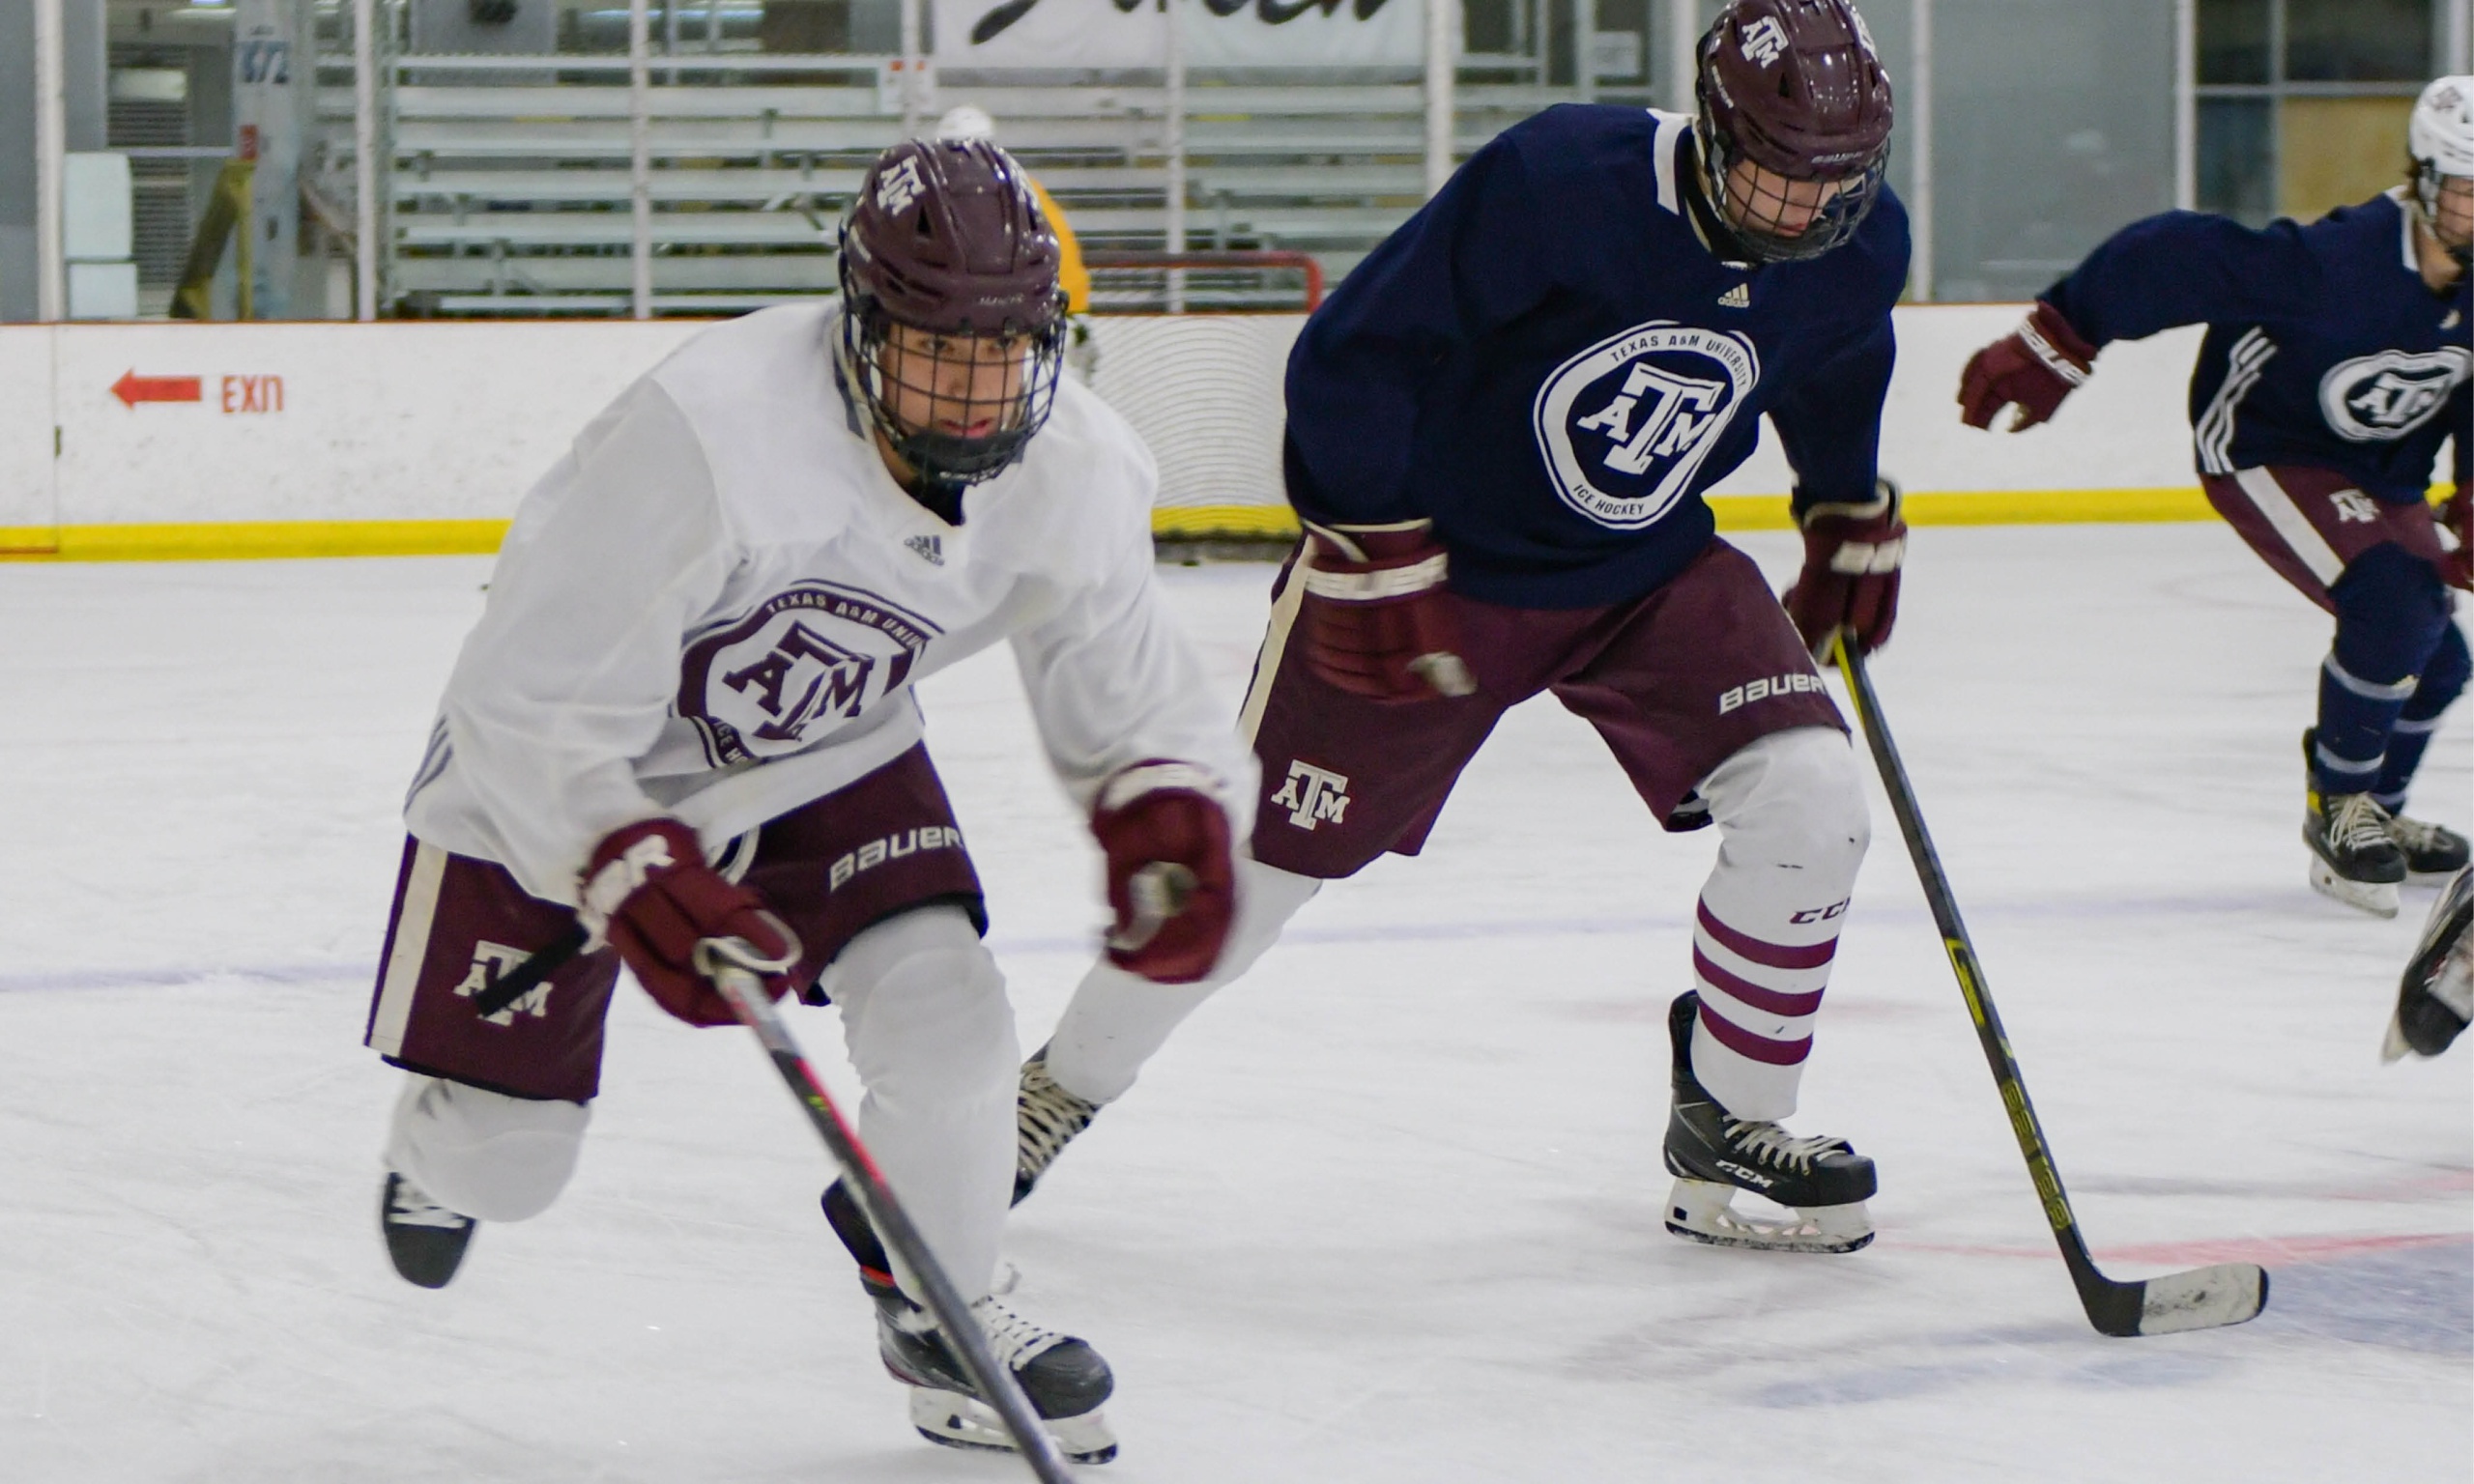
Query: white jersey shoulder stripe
1664,148
2214,431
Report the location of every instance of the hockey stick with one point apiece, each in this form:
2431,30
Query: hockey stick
728,964
2200,1298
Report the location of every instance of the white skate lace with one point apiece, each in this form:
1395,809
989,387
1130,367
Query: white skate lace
1046,1118
2415,833
411,1206
2357,822
1773,1145
1016,1340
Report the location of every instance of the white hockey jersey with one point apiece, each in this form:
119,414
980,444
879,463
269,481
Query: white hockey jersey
717,605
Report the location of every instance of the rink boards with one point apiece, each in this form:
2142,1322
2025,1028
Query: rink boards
185,440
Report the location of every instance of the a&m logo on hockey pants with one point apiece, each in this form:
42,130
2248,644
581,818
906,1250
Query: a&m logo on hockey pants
1311,795
494,962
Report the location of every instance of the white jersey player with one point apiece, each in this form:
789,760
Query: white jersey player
687,713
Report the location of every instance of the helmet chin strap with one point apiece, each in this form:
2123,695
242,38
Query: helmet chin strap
2430,185
2427,222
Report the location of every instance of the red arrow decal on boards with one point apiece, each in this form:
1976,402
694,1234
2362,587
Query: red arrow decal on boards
132,388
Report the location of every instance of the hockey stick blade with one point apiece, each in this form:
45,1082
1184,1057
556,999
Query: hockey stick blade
2200,1298
731,966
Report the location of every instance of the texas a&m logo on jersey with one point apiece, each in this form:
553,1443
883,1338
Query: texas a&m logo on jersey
793,670
1626,424
2378,398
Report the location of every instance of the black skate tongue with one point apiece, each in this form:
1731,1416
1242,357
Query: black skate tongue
851,1224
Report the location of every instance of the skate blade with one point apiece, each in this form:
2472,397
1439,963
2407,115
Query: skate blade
2376,897
953,1420
1702,1211
2396,1047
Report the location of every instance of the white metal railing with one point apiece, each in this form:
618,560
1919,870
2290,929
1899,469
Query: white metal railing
1162,164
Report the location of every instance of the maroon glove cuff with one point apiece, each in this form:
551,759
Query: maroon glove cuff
1376,619
1852,553
1171,869
2058,346
2034,368
648,893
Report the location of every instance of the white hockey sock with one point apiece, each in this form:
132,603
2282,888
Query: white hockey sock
931,1034
1790,807
1116,1020
482,1154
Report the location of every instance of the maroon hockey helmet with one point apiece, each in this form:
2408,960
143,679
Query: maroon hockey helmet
953,322
1795,87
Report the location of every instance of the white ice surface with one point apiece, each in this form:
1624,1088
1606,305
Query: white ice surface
1387,1211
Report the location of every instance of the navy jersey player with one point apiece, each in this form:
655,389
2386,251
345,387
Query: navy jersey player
1499,430
2336,363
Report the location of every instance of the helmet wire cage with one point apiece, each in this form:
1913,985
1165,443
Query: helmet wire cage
956,406
2430,183
1768,224
2439,149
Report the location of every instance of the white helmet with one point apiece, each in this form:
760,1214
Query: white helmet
2441,140
968,122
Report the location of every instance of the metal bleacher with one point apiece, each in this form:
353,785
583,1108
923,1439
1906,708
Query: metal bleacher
514,197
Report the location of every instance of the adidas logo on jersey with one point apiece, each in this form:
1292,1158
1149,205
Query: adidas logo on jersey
929,549
1738,298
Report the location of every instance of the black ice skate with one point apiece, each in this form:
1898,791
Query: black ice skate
2353,857
1046,1118
2436,997
2433,852
425,1240
1713,1154
1064,1378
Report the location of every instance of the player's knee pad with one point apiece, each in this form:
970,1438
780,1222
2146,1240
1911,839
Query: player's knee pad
484,1154
924,1010
1791,798
2391,611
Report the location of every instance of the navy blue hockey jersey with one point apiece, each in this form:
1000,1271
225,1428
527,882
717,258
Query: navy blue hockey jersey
2325,346
1547,362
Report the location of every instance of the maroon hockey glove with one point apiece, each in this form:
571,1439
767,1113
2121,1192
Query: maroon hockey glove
1172,881
2456,515
1851,557
648,894
1376,619
2034,366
